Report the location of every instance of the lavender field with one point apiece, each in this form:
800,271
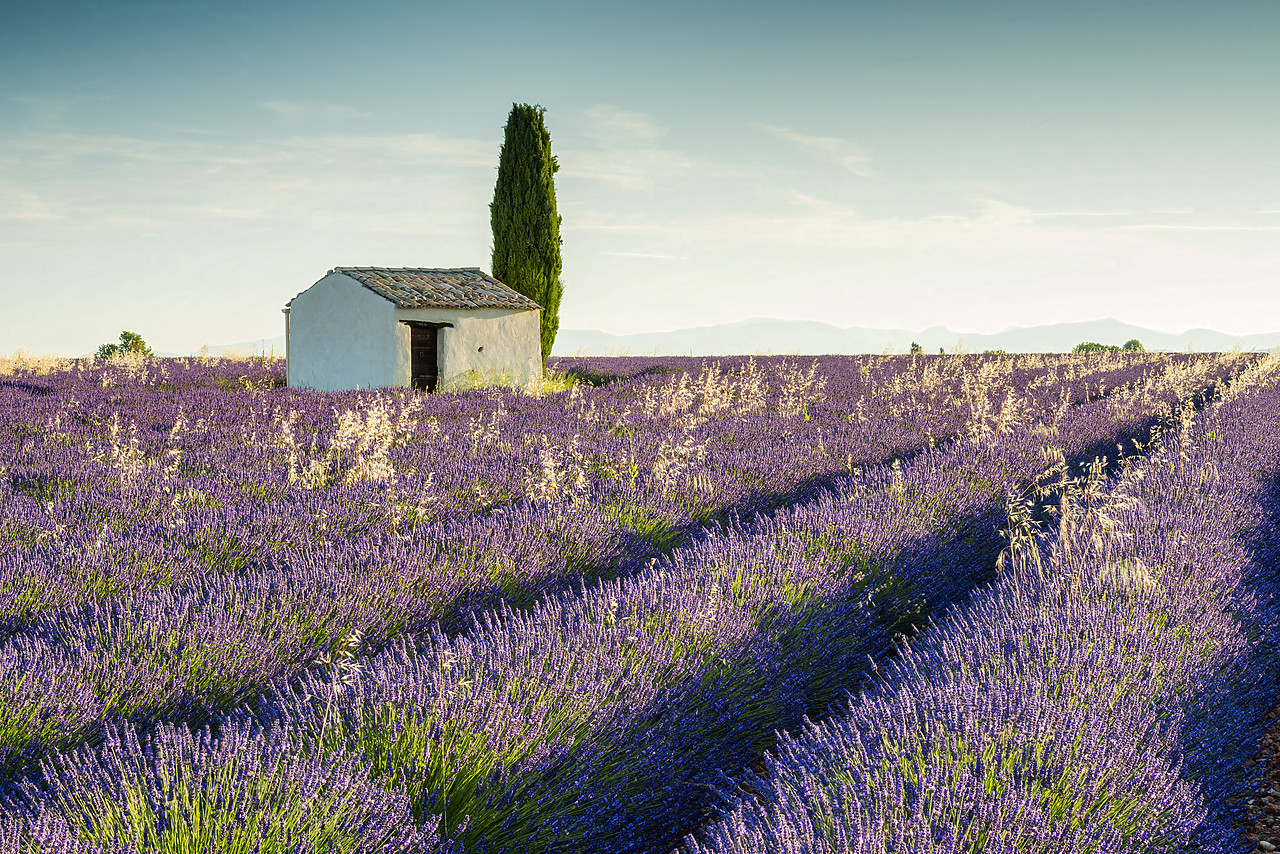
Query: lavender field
772,604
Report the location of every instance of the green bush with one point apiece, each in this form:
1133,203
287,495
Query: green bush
1133,345
1094,347
130,343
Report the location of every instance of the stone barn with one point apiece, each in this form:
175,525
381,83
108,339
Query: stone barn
369,327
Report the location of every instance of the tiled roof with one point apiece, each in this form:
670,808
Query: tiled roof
453,287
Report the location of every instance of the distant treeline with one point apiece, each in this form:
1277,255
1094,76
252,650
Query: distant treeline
1133,345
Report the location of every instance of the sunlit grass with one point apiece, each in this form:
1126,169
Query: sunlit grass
549,383
401,750
21,362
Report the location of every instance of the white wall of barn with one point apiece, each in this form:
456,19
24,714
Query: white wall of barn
494,342
344,336
340,335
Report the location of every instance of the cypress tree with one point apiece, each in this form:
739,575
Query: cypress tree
526,227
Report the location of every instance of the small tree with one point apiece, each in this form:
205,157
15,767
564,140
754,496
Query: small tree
1133,345
916,348
1094,347
130,343
526,227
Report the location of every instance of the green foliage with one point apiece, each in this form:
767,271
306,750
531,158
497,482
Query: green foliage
1133,345
661,533
439,768
130,343
526,227
46,489
994,353
235,808
1094,347
916,348
588,376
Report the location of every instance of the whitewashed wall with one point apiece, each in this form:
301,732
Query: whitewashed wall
492,341
341,335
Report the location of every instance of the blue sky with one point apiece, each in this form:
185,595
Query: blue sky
182,169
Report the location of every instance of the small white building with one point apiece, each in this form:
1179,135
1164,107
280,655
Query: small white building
369,327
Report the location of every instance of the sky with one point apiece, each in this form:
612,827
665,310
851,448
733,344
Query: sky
183,168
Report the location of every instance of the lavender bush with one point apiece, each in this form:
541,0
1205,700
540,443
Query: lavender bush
175,571
1102,695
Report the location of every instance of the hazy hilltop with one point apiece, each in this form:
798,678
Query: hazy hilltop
811,337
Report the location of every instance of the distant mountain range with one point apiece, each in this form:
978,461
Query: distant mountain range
809,337
262,346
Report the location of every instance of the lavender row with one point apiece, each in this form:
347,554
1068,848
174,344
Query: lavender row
1105,695
159,698
179,522
434,720
228,636
265,443
259,445
100,505
853,573
72,547
682,686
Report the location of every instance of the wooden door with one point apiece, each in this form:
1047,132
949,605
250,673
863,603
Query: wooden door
423,368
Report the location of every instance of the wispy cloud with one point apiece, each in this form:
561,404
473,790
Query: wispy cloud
62,150
996,212
1168,227
303,110
379,181
20,205
835,213
402,146
631,169
588,220
1158,226
809,223
54,108
1047,214
625,154
846,154
611,125
69,148
646,255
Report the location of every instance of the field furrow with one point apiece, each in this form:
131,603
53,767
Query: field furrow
1105,693
592,720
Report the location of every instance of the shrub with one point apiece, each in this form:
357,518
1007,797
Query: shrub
1094,347
130,342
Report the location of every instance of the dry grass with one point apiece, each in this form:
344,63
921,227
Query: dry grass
249,355
548,383
32,364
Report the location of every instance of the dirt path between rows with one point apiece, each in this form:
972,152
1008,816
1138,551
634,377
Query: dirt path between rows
1263,826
